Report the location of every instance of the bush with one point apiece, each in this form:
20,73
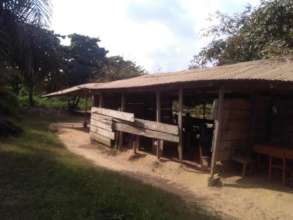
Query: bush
9,128
8,102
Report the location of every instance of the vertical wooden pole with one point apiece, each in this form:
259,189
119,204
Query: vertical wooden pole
135,143
86,103
180,123
160,143
85,122
217,131
253,114
122,108
101,100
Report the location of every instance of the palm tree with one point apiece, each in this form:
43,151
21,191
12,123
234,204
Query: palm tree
17,19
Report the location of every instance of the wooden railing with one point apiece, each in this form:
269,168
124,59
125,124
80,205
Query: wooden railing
106,122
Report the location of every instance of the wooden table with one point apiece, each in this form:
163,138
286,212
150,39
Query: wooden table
275,151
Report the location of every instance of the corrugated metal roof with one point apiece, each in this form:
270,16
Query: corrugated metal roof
269,70
71,90
278,69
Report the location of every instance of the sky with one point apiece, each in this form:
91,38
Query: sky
158,35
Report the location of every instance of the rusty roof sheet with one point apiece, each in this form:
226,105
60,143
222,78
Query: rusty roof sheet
271,70
72,90
280,69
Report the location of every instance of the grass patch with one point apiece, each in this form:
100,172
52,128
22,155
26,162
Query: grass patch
39,179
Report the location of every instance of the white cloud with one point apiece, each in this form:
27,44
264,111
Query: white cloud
160,35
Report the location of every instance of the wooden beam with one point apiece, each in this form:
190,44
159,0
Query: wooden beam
132,129
157,126
125,116
180,123
217,131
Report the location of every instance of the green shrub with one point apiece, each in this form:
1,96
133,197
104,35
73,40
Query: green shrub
8,102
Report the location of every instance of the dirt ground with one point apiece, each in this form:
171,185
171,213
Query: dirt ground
239,198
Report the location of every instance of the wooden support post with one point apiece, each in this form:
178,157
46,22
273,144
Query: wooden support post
135,143
122,108
180,123
253,115
160,143
101,100
86,103
217,131
85,122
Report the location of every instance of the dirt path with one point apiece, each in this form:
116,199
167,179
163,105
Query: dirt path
239,198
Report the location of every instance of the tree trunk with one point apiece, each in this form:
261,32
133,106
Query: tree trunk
31,97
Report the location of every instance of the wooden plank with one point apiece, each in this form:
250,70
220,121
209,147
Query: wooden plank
102,132
157,126
104,121
125,116
104,126
101,139
101,118
132,129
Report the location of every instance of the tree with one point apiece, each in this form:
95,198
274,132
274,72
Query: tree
262,32
19,19
83,60
118,68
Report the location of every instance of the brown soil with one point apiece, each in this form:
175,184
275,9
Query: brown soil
241,198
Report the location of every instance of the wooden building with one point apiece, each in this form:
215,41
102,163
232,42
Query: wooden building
216,113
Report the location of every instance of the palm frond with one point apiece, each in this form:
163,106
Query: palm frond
29,11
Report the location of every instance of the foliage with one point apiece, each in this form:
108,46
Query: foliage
33,59
262,32
38,58
64,186
83,60
19,21
8,102
118,68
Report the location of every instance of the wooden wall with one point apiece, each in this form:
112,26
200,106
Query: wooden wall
266,120
236,127
282,122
